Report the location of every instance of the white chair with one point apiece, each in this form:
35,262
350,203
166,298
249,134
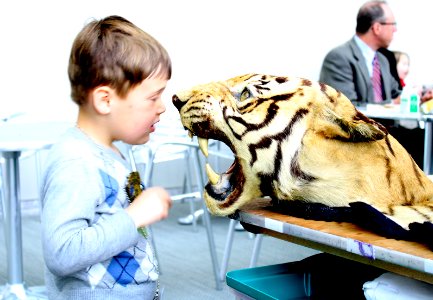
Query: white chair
171,143
228,248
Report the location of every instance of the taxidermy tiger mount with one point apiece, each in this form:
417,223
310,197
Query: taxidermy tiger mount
306,146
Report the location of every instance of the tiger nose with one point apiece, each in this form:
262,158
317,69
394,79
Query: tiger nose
177,102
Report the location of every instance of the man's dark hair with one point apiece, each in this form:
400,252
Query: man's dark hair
368,14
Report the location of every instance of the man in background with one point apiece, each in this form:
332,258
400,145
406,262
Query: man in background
357,68
365,71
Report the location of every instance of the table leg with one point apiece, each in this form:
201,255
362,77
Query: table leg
13,218
427,147
12,225
14,288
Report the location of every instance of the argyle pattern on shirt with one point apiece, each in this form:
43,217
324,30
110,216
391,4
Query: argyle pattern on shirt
123,269
135,265
376,80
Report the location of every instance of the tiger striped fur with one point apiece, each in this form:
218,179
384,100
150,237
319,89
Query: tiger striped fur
295,139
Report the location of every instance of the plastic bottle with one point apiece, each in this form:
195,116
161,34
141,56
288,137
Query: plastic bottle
409,100
405,101
414,102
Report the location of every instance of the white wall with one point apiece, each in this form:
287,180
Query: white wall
207,40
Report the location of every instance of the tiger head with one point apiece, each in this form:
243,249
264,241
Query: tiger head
266,121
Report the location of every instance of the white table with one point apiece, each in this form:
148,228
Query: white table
14,139
375,111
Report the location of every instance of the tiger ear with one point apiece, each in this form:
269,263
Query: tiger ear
350,130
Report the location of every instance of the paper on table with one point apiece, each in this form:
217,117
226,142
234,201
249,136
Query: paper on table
382,107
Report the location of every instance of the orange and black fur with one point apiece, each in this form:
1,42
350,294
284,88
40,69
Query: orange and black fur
306,146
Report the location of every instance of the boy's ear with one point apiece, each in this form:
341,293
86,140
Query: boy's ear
102,97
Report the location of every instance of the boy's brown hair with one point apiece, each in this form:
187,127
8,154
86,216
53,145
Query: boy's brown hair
114,52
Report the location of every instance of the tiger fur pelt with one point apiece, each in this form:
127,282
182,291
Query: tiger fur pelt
295,139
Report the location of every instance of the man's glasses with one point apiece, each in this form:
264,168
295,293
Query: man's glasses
389,23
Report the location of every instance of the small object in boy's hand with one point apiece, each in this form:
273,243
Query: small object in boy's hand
133,188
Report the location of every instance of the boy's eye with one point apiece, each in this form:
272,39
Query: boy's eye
154,97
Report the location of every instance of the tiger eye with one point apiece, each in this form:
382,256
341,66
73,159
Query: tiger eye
245,94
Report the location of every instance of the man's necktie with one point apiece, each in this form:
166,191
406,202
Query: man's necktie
376,80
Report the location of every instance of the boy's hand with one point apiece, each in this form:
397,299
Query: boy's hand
150,206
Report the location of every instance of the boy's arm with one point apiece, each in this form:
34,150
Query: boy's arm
72,239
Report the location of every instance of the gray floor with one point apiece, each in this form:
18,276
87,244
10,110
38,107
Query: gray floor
183,254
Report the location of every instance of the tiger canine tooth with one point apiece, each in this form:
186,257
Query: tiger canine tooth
190,134
213,176
203,144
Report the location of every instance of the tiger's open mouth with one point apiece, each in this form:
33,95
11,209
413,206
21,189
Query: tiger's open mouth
220,186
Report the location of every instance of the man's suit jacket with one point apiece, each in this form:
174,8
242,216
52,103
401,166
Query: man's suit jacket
344,68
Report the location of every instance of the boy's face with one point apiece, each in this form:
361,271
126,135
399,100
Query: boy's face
134,117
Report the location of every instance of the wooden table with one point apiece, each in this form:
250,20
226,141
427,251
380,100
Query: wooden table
345,240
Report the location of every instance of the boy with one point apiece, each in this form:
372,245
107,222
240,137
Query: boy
91,245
